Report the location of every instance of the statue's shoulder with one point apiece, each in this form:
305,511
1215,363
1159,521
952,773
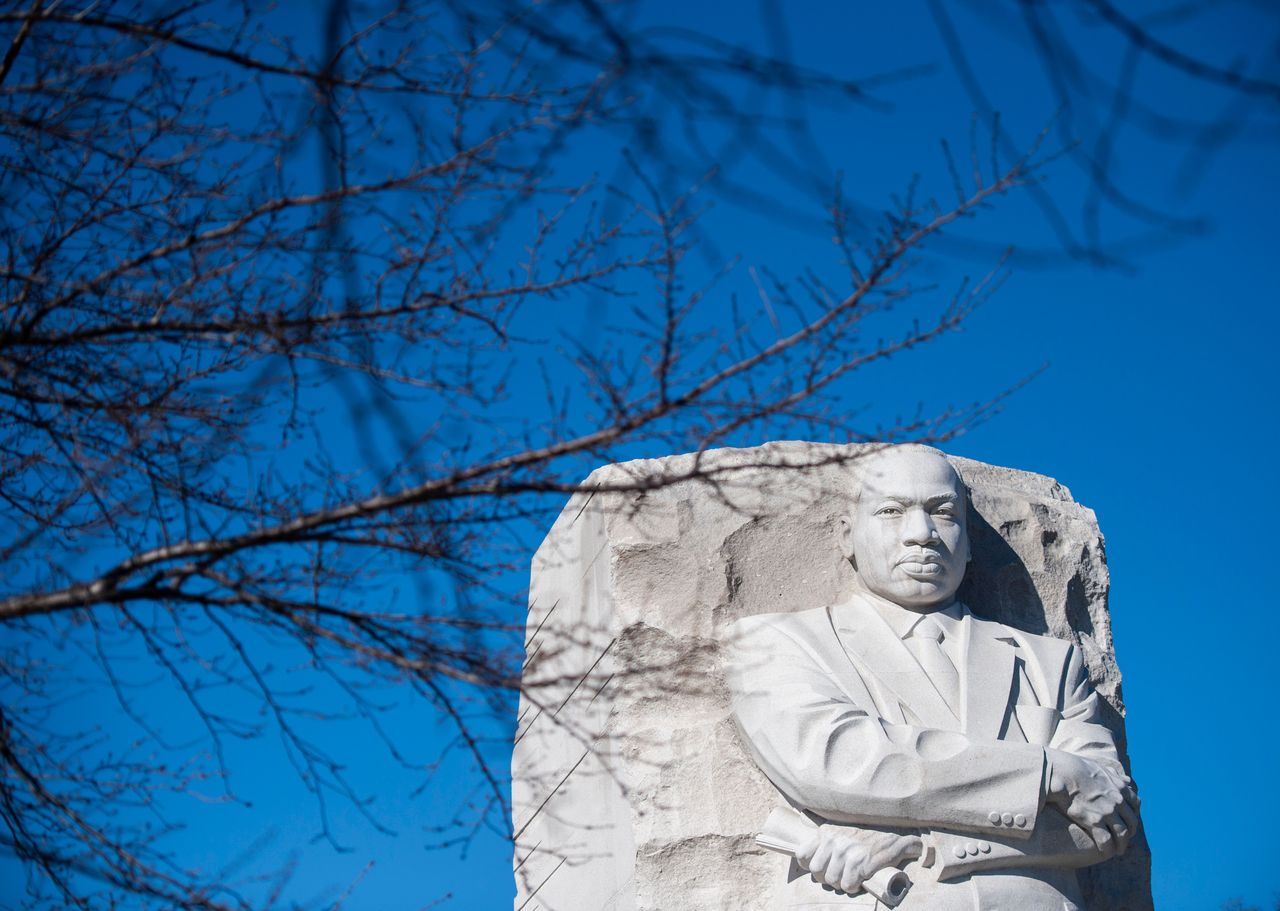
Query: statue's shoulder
795,619
1046,646
800,624
785,639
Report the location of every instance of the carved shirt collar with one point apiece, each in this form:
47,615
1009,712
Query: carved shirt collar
903,621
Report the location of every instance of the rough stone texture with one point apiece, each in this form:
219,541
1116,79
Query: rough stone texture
631,791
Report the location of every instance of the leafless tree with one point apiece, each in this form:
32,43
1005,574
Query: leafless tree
1113,73
287,316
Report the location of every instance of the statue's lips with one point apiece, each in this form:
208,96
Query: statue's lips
922,565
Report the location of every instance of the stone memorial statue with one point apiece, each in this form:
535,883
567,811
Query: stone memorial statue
810,677
965,751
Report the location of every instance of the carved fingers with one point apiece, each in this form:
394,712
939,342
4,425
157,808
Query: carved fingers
844,857
1124,823
1100,799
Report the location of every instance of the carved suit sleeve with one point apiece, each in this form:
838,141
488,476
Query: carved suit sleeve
1080,729
1056,842
835,757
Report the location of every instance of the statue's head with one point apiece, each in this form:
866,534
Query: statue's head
905,533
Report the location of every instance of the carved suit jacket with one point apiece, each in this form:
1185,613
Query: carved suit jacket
843,720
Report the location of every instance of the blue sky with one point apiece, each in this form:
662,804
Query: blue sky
1156,405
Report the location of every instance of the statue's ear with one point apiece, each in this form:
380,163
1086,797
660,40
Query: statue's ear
846,539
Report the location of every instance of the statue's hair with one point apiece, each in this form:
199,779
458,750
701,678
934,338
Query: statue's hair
858,467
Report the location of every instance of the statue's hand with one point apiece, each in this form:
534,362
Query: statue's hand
844,857
1100,800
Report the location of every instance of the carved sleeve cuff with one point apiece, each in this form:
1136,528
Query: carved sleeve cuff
1055,843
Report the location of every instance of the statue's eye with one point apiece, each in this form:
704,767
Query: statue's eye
889,511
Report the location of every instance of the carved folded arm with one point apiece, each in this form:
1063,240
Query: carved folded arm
1081,730
834,757
1085,778
1056,842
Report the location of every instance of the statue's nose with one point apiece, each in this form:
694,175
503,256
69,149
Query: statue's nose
919,529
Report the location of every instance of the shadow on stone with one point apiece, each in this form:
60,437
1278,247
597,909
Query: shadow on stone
997,584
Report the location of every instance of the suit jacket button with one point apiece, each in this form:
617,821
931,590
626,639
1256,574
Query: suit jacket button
994,817
1007,819
971,848
984,847
958,850
1019,820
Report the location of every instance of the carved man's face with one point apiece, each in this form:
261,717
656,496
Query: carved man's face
906,535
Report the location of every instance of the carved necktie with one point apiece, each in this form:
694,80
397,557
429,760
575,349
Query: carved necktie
925,642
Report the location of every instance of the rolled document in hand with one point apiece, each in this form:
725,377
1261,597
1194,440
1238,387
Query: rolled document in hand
787,831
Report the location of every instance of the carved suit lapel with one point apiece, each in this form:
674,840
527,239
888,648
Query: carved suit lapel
990,663
876,651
